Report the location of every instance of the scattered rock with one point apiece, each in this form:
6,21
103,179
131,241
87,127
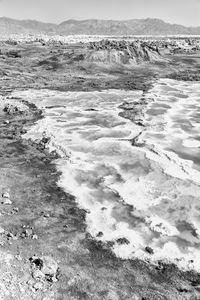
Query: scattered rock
46,215
135,297
27,233
18,257
149,250
122,241
140,123
6,201
91,109
31,282
103,208
99,234
109,244
70,228
36,261
38,275
2,241
2,230
15,209
38,286
6,195
183,290
47,266
34,237
10,236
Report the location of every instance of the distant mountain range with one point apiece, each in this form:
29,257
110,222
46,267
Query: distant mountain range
96,27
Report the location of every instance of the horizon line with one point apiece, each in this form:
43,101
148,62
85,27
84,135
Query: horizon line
97,19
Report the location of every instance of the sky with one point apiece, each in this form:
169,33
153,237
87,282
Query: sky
185,12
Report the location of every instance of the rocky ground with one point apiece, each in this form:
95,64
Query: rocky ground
45,251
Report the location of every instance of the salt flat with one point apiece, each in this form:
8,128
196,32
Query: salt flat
100,161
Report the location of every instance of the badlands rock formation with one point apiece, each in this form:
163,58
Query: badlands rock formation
122,52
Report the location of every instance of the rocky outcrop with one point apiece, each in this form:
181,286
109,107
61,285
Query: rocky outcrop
122,52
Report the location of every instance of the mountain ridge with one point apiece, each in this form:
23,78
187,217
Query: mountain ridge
149,26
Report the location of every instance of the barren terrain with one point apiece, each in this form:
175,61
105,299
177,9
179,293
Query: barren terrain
45,249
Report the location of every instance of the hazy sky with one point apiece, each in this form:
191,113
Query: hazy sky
186,12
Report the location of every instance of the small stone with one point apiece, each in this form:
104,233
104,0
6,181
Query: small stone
140,123
2,242
122,241
6,201
35,237
10,235
109,244
36,261
27,233
99,234
22,290
47,266
2,230
50,266
18,257
135,297
15,209
31,281
46,215
149,250
38,286
6,122
38,275
103,208
5,195
54,279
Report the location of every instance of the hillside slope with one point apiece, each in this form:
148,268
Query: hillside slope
96,27
129,27
11,26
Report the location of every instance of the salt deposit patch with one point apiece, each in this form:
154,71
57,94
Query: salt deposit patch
180,124
135,196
